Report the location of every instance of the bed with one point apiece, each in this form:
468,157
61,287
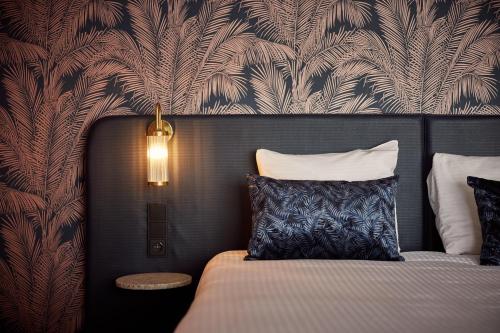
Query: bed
208,213
429,292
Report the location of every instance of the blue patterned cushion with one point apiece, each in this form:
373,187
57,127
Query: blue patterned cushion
487,193
322,219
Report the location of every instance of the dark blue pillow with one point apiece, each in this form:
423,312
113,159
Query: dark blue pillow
487,194
323,219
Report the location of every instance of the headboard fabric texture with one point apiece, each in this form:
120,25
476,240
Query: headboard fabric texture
207,200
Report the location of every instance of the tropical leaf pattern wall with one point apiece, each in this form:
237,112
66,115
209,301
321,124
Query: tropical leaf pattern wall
65,64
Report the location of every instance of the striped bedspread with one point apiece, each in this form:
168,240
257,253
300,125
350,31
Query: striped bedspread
430,292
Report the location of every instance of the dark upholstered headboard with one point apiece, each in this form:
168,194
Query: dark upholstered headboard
207,203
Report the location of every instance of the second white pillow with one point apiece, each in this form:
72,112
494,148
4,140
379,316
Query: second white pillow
452,200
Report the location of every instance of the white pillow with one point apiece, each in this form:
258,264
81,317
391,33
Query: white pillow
375,163
356,165
452,200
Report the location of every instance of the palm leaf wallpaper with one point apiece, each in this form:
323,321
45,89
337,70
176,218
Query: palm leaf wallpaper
65,64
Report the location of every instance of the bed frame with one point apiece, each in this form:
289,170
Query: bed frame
207,201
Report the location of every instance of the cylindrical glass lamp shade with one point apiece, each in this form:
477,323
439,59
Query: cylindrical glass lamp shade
157,159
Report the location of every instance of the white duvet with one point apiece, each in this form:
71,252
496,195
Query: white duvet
430,292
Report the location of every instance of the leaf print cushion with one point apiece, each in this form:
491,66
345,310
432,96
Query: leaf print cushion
487,194
294,219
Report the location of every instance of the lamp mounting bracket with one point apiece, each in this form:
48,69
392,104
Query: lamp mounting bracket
165,129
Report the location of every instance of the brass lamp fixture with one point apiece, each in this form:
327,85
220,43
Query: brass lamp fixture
158,134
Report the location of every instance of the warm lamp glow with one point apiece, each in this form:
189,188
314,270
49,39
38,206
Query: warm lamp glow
157,147
159,132
157,159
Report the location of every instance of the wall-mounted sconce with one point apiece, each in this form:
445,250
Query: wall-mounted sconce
158,134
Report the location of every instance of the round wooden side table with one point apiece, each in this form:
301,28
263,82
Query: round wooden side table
153,281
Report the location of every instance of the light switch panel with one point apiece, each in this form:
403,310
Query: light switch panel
157,230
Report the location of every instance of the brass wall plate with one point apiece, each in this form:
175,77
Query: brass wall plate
165,128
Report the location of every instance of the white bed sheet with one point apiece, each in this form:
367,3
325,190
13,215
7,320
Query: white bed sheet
430,292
